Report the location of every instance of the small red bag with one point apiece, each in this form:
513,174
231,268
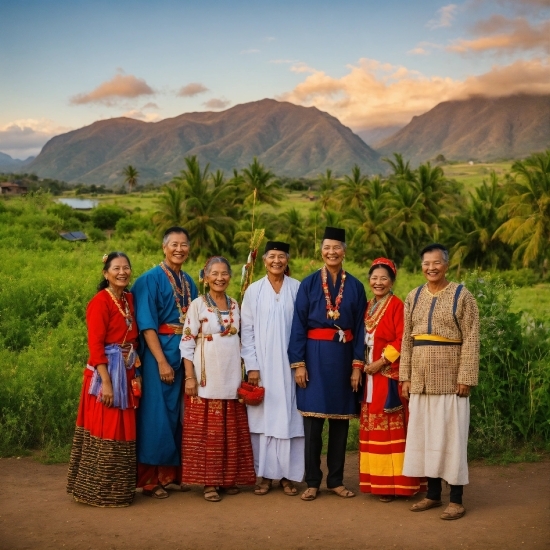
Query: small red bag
250,395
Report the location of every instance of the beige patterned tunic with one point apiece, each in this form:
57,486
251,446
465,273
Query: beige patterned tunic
437,369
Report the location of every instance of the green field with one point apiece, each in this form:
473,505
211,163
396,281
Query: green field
471,176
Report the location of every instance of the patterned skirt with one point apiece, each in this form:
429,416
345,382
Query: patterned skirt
102,467
216,447
381,454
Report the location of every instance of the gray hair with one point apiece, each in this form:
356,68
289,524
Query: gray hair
344,245
217,260
432,248
265,255
171,231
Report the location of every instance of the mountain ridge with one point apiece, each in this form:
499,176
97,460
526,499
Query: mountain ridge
478,128
289,139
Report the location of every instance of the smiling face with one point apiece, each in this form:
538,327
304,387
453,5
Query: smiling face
434,266
333,253
176,249
218,277
380,282
275,262
119,273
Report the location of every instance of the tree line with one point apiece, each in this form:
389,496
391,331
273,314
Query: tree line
503,223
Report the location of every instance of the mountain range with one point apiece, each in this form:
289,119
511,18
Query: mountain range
291,140
478,128
9,164
288,139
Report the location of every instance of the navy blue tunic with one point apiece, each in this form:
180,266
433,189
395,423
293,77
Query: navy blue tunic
328,393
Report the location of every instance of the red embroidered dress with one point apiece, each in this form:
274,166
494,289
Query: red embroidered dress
102,468
382,434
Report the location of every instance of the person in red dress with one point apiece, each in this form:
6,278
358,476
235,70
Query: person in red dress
102,467
384,413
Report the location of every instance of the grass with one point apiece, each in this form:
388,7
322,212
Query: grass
535,301
471,176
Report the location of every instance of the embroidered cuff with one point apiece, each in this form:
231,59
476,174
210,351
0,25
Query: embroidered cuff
297,365
358,364
391,354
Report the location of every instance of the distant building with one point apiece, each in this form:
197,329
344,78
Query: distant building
9,188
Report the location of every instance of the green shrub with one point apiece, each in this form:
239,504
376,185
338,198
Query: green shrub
96,235
106,217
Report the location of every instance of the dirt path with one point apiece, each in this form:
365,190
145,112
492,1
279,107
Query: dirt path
508,507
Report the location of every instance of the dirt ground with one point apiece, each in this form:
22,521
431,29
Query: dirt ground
507,507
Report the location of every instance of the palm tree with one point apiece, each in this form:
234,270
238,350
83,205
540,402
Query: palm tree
206,209
130,176
473,230
353,191
401,169
293,231
326,190
406,218
171,210
528,209
256,177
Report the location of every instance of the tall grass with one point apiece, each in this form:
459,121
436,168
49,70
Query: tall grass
45,285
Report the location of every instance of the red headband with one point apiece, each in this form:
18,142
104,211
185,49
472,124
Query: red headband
385,261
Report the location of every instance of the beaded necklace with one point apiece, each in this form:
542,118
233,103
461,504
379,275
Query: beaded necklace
375,311
126,313
226,327
179,296
332,310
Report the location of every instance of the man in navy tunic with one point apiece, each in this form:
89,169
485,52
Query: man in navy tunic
326,343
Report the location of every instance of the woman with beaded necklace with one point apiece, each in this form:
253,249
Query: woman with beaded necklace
102,468
216,440
383,419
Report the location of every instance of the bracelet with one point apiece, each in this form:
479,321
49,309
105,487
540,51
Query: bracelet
190,378
297,365
357,364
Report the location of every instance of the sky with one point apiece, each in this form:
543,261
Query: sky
65,64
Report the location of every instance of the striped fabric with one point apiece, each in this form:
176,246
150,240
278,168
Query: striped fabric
216,447
382,450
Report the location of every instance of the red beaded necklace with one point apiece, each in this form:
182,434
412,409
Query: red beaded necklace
184,305
332,310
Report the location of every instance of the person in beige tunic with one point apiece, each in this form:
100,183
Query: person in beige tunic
439,365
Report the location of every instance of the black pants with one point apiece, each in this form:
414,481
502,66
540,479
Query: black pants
434,490
336,454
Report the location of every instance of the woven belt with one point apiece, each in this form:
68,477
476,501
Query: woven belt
169,328
434,340
330,334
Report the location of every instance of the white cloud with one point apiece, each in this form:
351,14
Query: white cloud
375,94
252,50
26,137
445,16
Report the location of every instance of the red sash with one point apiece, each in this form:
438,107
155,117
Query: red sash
329,334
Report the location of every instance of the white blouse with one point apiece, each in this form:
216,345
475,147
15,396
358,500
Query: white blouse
216,357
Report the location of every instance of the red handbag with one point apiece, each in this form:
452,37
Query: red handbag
250,395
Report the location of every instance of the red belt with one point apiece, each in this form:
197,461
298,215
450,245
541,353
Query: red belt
329,334
169,328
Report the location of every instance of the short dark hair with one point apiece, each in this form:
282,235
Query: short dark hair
175,229
104,283
435,246
391,274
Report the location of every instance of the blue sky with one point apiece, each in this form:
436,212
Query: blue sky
65,64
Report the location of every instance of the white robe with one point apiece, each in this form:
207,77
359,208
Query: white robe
276,426
222,361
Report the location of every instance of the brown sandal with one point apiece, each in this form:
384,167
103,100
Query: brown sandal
263,487
211,495
158,491
425,504
453,511
342,492
309,494
387,498
289,488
